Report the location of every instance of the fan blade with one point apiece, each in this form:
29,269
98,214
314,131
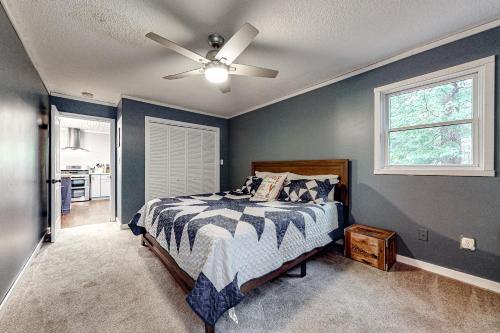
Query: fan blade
247,70
224,87
198,71
237,44
177,48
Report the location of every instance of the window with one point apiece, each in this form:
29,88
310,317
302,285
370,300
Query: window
440,123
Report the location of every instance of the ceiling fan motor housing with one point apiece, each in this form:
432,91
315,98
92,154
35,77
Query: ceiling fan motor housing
215,40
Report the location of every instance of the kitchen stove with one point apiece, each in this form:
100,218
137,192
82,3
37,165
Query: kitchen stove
80,181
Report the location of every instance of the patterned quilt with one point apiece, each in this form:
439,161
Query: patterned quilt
223,240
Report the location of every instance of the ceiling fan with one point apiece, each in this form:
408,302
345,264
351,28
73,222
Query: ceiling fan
218,63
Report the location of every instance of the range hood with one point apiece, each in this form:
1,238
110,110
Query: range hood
75,139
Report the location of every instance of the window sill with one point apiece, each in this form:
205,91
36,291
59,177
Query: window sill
434,172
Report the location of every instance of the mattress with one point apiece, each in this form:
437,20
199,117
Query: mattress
223,240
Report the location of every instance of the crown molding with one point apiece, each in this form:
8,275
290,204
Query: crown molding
172,106
83,99
356,71
419,49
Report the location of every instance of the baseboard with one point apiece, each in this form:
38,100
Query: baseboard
18,278
452,274
122,226
99,198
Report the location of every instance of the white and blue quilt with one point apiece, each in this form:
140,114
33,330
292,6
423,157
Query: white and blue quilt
223,240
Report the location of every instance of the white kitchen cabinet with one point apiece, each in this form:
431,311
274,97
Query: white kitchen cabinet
105,185
100,186
95,186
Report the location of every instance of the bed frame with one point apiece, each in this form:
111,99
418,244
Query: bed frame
306,167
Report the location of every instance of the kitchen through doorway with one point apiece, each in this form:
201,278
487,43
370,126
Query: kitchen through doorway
86,162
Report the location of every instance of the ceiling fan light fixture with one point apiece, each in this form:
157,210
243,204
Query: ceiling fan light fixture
218,62
216,72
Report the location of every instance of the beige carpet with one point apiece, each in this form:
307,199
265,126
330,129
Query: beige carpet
98,278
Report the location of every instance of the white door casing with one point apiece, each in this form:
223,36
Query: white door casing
113,149
55,174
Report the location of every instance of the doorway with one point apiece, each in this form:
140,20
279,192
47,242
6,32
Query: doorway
85,158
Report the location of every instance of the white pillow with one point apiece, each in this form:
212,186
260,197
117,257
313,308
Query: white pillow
269,188
263,174
293,176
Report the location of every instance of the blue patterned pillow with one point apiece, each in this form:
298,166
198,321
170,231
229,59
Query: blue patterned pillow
308,190
251,185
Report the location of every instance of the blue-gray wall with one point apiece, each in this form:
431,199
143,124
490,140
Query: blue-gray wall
336,121
83,108
132,115
23,156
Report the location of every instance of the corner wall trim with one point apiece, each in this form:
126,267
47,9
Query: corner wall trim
467,32
173,106
20,274
452,274
83,99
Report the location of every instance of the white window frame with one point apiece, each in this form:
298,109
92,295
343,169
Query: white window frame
483,73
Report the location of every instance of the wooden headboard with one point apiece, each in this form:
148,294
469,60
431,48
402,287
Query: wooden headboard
313,167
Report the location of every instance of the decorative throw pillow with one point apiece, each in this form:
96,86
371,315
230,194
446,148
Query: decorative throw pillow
294,176
308,190
263,174
269,188
251,185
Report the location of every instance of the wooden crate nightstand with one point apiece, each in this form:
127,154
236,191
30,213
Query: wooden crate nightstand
373,246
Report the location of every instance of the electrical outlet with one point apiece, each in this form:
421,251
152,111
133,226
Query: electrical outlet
423,234
467,243
221,162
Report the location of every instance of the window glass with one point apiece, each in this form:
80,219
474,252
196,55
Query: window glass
442,145
449,101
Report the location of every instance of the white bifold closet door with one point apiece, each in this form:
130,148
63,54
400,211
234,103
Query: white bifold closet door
180,161
157,162
208,162
194,161
177,161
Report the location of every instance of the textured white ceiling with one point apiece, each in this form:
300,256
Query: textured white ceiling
99,46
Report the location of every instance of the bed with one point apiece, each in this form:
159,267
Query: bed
219,246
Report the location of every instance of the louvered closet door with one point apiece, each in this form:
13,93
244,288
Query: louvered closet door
194,161
209,162
182,160
158,162
177,160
